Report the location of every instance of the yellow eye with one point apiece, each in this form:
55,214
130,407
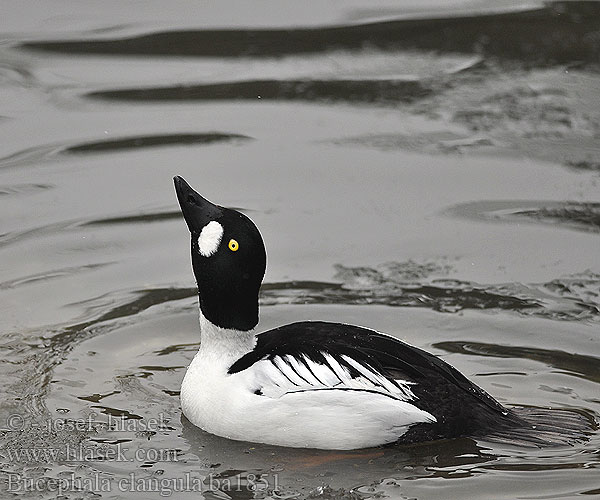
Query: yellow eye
233,245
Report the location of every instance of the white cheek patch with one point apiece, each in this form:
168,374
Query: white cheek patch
210,238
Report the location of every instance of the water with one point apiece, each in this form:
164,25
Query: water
433,179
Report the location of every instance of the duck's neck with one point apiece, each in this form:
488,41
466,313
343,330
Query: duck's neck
224,343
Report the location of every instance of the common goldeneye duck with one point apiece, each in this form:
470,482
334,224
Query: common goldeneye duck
318,384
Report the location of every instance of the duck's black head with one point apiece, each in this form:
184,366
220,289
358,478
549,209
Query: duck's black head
228,258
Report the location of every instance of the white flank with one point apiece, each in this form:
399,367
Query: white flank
210,238
293,401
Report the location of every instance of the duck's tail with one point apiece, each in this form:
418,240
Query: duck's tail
541,427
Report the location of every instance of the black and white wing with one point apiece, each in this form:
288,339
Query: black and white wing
277,375
320,356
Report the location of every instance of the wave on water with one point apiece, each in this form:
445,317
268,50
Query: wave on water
403,284
559,33
587,367
556,33
147,141
581,216
409,284
18,189
360,90
51,274
38,154
398,284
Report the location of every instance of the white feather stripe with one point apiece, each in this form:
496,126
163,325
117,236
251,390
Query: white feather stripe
276,378
370,374
323,373
400,388
364,383
283,375
289,372
269,380
340,371
302,370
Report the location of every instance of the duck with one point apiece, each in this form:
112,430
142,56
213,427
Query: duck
313,384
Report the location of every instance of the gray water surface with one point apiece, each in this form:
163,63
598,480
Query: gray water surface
428,171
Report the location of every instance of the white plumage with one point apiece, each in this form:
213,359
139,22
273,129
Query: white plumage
292,401
210,238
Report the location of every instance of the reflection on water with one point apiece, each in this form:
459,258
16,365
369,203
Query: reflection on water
41,153
557,33
433,177
152,140
135,219
587,367
411,284
49,275
363,90
576,215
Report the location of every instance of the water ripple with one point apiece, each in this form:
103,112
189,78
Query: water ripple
587,367
41,153
556,33
135,219
582,216
51,274
360,90
408,284
16,189
147,141
439,298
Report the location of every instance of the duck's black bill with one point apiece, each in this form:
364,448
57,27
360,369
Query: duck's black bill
197,211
